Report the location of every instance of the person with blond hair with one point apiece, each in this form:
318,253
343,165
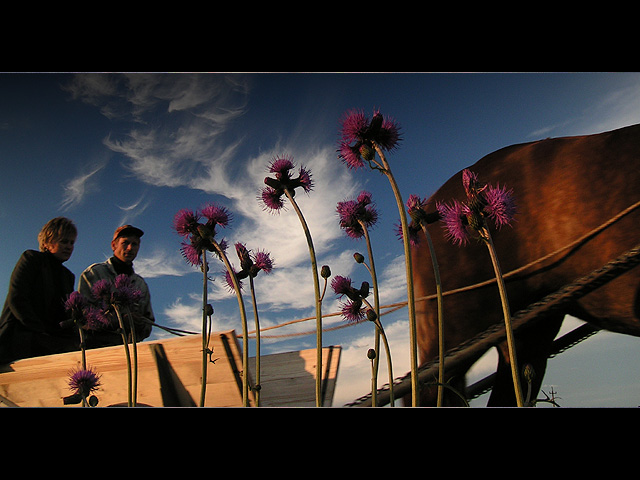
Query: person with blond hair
38,288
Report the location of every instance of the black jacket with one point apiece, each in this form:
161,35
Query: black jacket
34,308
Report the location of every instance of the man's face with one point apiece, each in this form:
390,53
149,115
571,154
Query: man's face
126,248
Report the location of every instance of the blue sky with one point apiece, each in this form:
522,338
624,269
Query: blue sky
108,149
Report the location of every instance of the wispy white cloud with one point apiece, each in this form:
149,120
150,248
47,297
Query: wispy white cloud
83,184
617,107
161,263
131,212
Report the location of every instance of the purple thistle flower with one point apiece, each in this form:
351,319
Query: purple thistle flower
414,233
454,217
263,261
271,199
84,381
75,303
351,155
216,215
185,222
304,177
415,203
124,292
191,254
388,136
101,291
228,281
501,207
271,195
353,311
354,125
281,166
96,319
353,214
341,285
358,135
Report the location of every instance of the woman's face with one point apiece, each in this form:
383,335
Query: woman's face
62,248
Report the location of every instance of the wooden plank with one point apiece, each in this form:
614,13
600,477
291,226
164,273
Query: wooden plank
288,379
169,374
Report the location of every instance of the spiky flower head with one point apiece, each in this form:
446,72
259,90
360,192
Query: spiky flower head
201,235
96,319
483,201
84,381
75,304
271,195
124,293
413,231
353,312
359,134
501,207
216,215
342,286
263,261
186,221
83,313
356,215
454,217
101,291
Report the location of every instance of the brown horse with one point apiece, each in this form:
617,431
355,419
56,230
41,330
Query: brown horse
564,188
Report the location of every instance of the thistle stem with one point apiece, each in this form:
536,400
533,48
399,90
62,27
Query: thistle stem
381,333
243,317
205,287
436,274
376,299
486,235
409,274
127,354
83,356
134,348
255,312
316,286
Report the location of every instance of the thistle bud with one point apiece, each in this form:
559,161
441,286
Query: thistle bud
364,289
371,354
358,257
371,315
208,310
325,271
529,372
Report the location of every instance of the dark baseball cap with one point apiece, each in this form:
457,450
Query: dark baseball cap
126,230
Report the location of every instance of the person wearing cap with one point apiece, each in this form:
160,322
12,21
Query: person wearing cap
125,245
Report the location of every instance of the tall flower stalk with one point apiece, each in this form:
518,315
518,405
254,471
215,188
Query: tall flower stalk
284,184
117,297
460,219
419,221
84,316
362,139
356,218
251,264
201,238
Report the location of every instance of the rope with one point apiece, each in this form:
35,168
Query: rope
390,308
